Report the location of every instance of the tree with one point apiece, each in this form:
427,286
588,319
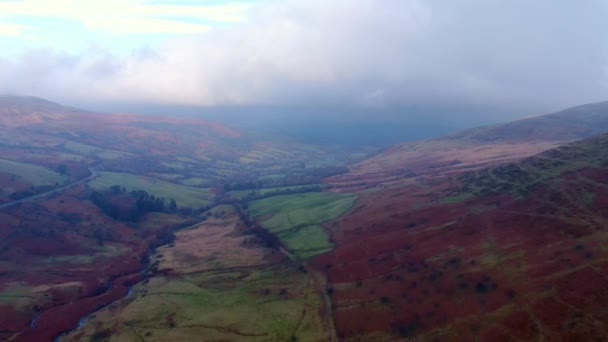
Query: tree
62,169
172,205
116,189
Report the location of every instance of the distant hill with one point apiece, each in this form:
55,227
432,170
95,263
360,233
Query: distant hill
18,111
477,148
184,150
570,124
25,104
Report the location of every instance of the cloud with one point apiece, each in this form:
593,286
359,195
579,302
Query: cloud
350,53
9,29
128,16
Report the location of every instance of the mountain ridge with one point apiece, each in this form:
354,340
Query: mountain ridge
477,148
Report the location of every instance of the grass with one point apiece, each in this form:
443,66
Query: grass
33,174
183,195
88,150
245,160
242,193
296,219
307,241
245,305
273,176
196,182
167,176
19,296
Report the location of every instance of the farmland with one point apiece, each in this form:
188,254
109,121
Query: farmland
93,151
241,194
87,244
31,174
210,285
20,180
296,219
183,195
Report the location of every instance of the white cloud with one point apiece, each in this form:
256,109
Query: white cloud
9,29
120,16
144,25
346,52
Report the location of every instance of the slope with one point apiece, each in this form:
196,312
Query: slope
521,257
477,148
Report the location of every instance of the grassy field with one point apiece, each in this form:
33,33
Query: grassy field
296,219
195,182
183,195
257,297
265,305
36,175
88,150
242,193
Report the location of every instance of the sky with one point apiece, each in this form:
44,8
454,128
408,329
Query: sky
363,54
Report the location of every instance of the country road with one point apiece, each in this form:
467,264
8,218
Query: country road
93,175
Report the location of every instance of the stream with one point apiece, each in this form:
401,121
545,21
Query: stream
82,321
144,273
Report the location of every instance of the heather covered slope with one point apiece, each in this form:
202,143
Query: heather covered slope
512,252
477,148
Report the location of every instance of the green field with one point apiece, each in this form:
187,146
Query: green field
239,194
88,150
183,195
296,219
267,305
195,182
33,174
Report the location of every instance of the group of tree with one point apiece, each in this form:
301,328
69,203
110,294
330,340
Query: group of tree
31,191
130,206
267,238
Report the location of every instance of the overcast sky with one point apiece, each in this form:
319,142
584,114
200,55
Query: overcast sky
350,53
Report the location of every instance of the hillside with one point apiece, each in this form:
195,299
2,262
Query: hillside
477,148
509,252
16,111
569,124
87,197
169,228
184,151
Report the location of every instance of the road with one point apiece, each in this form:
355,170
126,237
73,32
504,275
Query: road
93,175
321,286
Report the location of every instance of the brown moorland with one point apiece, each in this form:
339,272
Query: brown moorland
511,252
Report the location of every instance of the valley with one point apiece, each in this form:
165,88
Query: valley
247,292
95,205
125,227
